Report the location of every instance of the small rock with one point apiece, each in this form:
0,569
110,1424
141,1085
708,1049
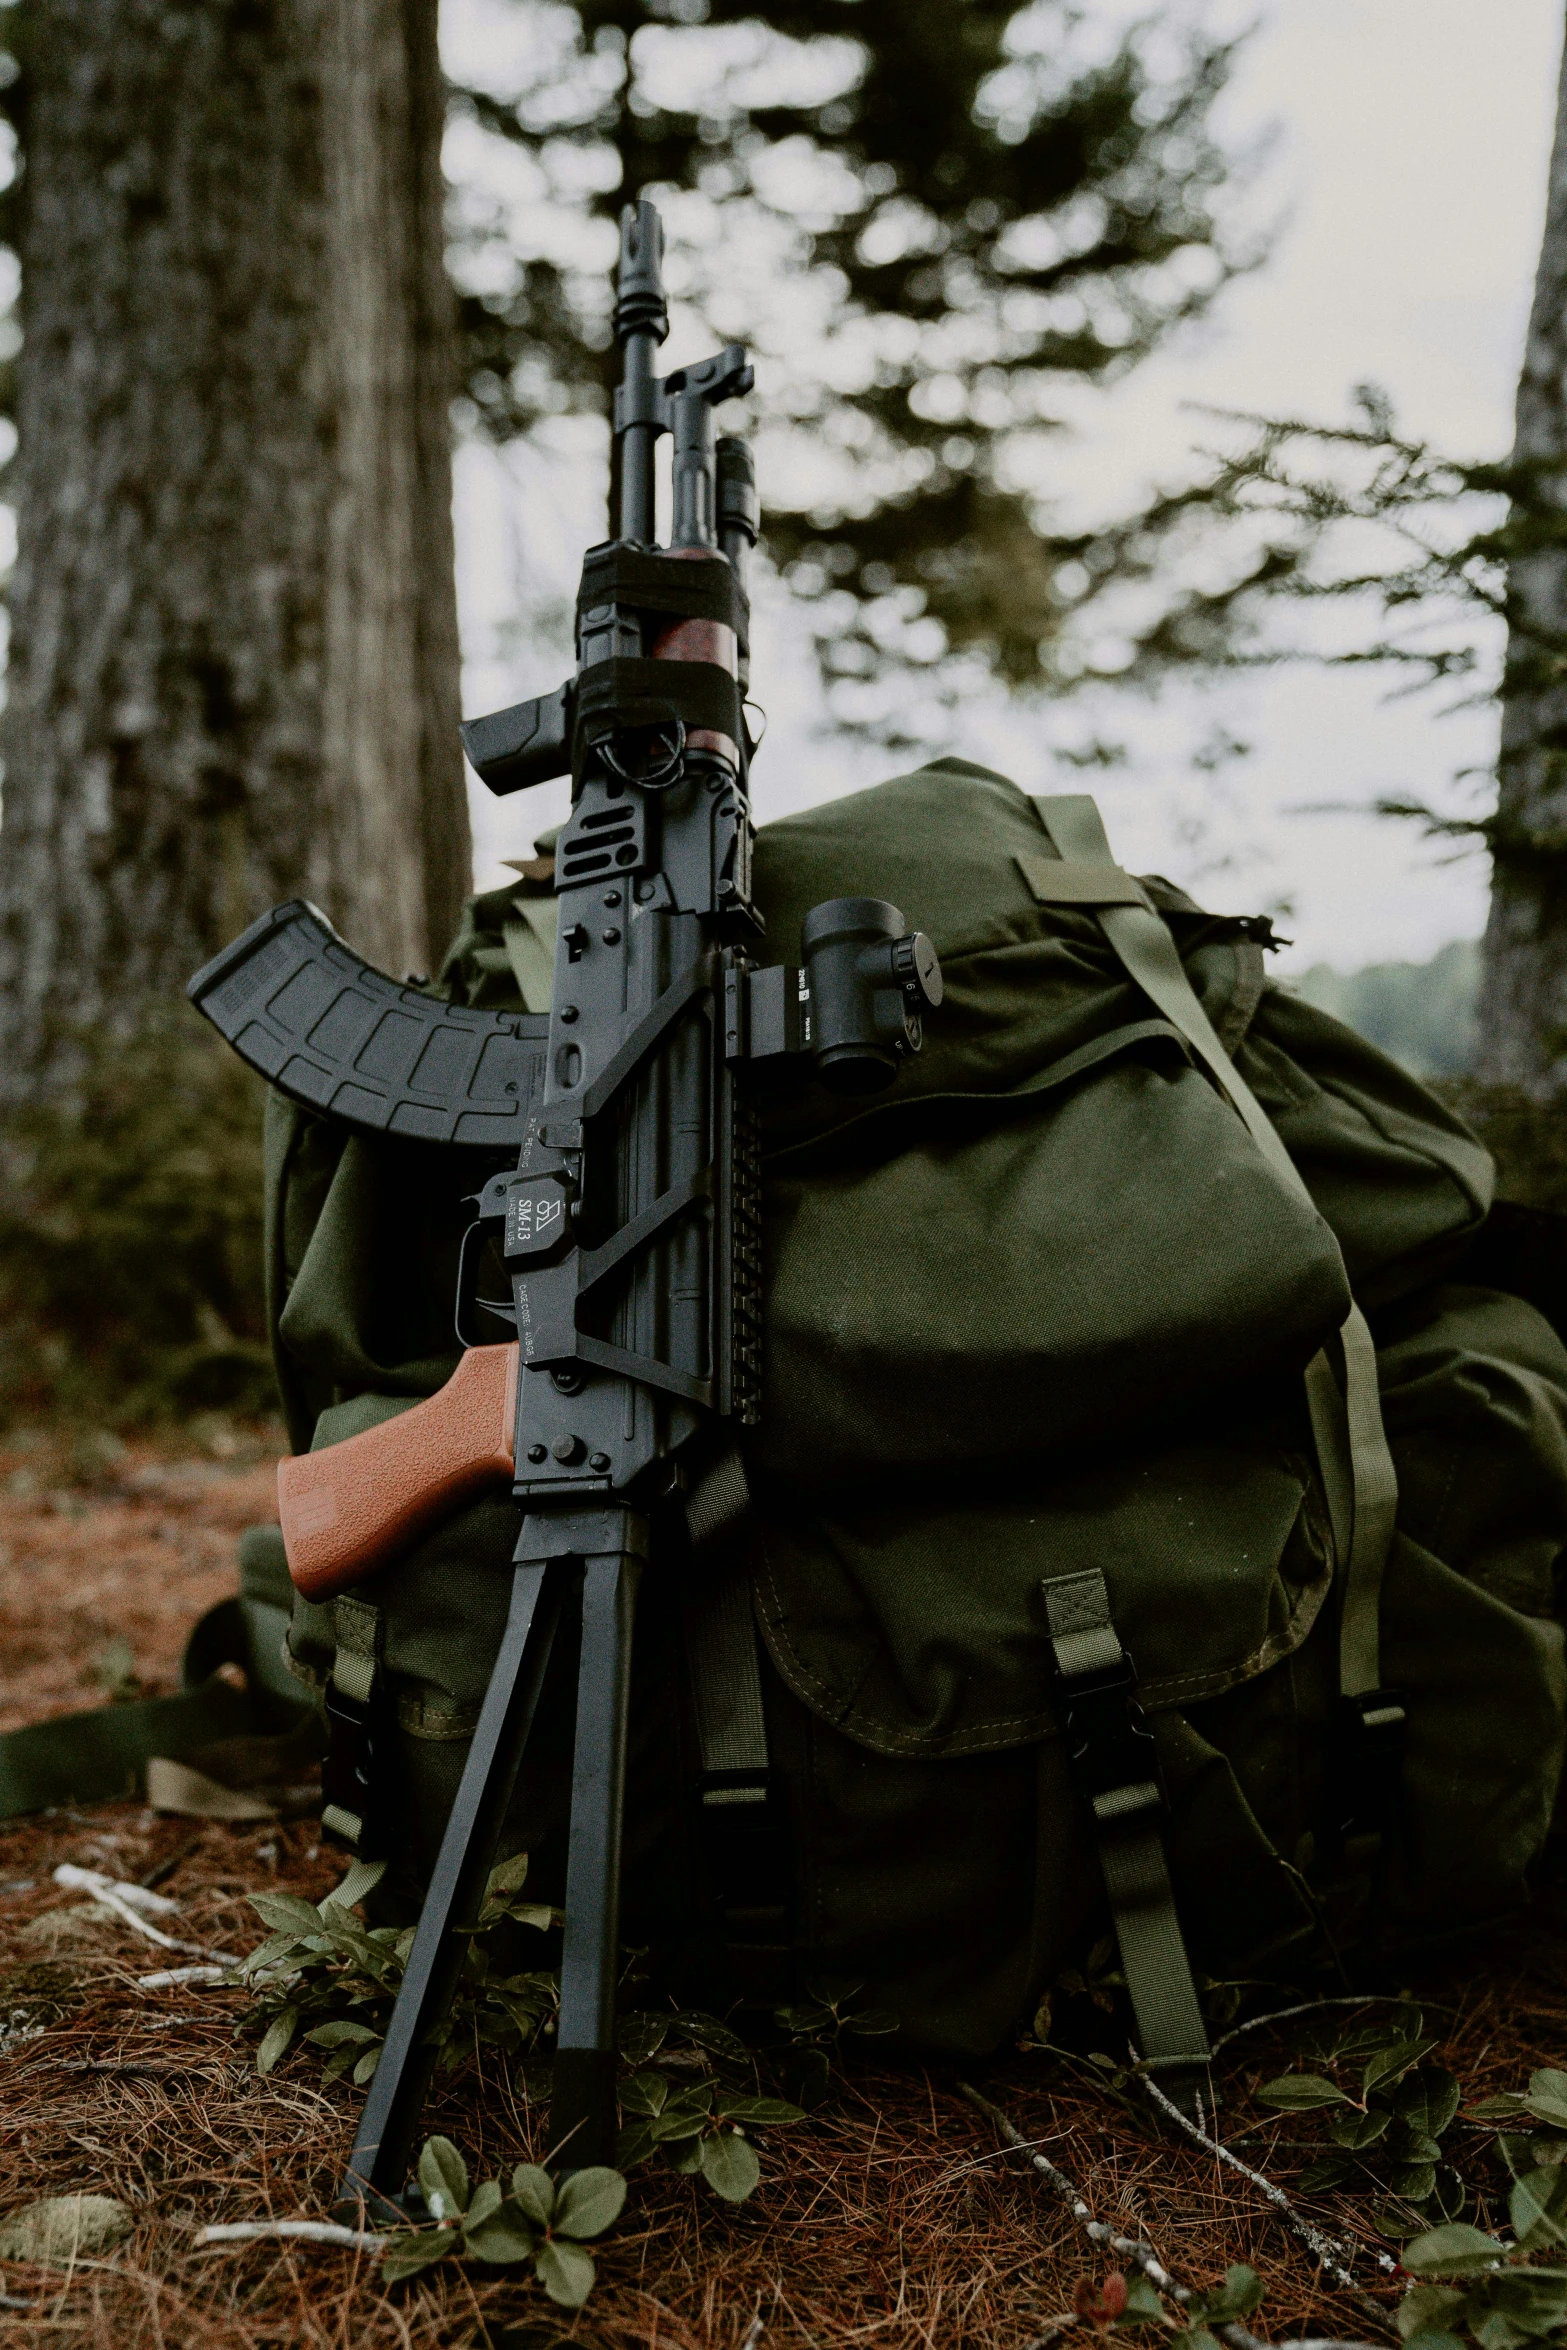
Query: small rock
63,2228
95,1456
86,1925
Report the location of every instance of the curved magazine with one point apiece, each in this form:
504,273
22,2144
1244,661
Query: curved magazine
338,1036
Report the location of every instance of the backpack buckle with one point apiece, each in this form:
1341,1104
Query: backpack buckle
1110,1749
1365,1760
351,1813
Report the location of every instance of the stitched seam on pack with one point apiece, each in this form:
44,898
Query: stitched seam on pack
1291,1636
979,1737
772,1621
423,1720
1399,1142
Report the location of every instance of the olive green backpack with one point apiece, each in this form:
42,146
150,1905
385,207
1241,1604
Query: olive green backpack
1067,1587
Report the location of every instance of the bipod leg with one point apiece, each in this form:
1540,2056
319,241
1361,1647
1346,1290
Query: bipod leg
582,2106
378,2166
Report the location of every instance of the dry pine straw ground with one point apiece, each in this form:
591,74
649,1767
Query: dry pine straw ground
887,2219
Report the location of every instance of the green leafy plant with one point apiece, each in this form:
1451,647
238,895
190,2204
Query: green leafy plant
1544,2103
818,2025
645,2031
535,2218
1123,2302
1470,2281
1071,2006
324,1977
1097,1981
699,2127
327,1982
1385,2132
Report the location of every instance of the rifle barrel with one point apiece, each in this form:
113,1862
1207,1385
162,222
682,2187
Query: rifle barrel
641,323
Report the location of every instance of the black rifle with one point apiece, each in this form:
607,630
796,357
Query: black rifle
627,1207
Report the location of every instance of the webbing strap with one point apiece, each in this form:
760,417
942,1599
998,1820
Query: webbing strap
1376,1509
349,1774
1115,1765
358,1628
1357,1467
98,1756
726,1687
720,1634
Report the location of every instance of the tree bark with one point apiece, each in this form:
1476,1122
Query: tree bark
233,672
1523,997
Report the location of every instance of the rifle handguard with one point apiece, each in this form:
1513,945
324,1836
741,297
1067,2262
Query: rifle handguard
353,1506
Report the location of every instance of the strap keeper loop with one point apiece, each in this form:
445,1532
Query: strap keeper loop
353,1772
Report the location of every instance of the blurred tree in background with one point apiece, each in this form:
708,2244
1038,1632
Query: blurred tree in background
1451,573
1523,1011
935,226
233,652
233,669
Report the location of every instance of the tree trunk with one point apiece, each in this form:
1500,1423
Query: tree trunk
233,666
1523,998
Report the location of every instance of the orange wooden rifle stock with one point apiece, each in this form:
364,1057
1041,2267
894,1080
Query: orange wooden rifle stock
351,1508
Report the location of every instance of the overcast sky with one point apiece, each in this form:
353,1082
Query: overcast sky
1413,139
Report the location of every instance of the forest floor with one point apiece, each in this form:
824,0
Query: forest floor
889,2218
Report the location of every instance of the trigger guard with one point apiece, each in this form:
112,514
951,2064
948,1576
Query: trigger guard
467,1291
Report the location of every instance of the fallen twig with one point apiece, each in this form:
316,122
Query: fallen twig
164,1869
1307,2008
1284,2015
170,1978
127,1902
1141,2255
128,2070
1321,2247
307,2231
140,1897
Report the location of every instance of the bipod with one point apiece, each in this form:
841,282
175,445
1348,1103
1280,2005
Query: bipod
592,1558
